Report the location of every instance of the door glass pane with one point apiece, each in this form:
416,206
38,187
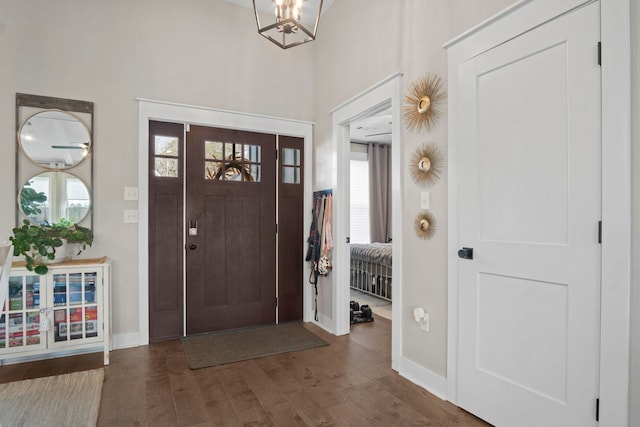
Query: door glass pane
166,167
33,328
254,174
232,151
252,153
291,156
212,170
166,146
213,150
290,175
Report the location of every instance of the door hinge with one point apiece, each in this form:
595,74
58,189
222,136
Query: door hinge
276,228
599,53
600,232
598,409
276,154
276,302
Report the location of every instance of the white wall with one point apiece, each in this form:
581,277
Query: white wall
199,52
359,43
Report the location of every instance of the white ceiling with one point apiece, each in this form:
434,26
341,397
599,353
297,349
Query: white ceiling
376,128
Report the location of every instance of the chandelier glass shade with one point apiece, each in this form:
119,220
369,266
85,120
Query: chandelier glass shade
287,27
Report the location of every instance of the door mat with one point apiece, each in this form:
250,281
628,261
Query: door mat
60,400
219,348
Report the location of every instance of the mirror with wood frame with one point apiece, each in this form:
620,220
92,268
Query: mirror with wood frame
54,136
55,197
54,139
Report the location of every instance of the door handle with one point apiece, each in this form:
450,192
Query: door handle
193,247
465,253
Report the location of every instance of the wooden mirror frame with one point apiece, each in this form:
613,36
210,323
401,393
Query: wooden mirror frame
38,102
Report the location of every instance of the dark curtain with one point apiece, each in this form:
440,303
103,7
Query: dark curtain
380,192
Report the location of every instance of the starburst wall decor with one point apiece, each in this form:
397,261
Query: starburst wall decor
425,165
425,225
424,102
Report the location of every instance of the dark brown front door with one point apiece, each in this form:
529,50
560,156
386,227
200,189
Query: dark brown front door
230,236
290,227
166,182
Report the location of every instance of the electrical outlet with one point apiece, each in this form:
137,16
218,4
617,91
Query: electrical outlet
130,216
424,325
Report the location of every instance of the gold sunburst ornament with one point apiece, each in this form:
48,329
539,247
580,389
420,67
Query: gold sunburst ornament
425,225
425,165
423,104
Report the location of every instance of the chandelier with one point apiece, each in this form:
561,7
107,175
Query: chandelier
288,29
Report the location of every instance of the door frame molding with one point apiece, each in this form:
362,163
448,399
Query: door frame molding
205,116
384,94
616,185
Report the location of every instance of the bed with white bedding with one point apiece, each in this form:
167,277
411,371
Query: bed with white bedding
371,269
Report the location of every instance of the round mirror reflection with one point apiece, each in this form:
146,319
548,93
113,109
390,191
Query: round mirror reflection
55,139
55,198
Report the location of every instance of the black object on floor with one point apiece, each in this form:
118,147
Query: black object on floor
360,314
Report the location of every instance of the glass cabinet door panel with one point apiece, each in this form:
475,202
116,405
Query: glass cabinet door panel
75,289
90,288
60,325
16,330
59,290
33,328
33,292
16,291
91,321
75,323
3,331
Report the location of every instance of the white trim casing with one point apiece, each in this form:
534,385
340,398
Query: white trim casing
616,212
188,114
385,94
616,179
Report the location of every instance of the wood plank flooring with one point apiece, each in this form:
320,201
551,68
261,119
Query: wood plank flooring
347,383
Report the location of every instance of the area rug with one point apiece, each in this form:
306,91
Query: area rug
219,348
61,400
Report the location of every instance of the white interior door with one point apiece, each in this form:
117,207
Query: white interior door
529,206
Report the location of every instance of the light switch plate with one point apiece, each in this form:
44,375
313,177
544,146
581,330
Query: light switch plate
131,193
130,216
425,200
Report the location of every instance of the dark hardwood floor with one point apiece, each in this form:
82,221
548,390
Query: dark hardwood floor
347,383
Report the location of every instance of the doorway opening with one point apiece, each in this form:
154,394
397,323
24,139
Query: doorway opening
384,96
370,220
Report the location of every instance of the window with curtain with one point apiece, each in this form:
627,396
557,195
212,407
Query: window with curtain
359,197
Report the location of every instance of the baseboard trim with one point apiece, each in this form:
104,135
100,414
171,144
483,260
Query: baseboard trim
126,340
434,383
324,322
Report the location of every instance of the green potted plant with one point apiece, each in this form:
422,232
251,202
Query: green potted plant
38,243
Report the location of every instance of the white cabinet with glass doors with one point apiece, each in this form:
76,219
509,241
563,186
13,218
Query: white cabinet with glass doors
64,311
